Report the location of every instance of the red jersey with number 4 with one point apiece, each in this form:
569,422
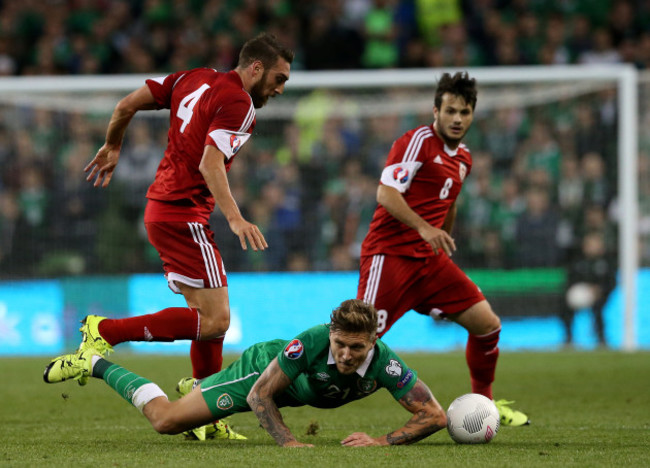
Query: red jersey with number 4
207,107
429,175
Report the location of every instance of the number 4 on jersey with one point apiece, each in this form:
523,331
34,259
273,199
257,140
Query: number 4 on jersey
186,107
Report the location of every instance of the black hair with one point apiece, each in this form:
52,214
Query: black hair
460,84
265,48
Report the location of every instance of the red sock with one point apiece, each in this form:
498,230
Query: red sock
207,357
173,323
481,354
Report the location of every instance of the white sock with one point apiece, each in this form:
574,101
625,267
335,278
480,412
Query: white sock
93,361
145,394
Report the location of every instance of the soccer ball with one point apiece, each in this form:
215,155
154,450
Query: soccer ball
580,296
472,419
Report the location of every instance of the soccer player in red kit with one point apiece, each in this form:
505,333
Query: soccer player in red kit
405,257
212,115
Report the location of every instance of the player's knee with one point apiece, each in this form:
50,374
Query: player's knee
213,327
486,320
494,322
164,424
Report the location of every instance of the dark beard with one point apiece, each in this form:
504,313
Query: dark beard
451,142
257,93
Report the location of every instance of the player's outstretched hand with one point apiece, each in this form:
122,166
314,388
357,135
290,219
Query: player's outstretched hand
295,443
102,166
248,232
438,239
359,439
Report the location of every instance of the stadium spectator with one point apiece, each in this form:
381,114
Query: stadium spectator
602,50
138,164
330,44
570,195
591,279
73,226
381,35
31,230
508,208
9,212
8,64
537,231
596,185
433,15
278,373
540,151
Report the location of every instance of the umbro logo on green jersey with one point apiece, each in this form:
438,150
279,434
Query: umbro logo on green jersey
322,376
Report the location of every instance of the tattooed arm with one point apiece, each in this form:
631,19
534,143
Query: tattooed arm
273,381
428,417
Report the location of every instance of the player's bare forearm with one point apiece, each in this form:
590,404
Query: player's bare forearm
391,199
450,219
428,417
213,170
270,418
101,167
260,399
140,99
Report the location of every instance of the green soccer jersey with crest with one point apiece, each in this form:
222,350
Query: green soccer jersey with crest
309,364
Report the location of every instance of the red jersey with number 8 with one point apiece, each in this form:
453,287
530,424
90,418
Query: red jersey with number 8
207,107
429,175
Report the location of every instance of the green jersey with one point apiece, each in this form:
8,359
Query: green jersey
308,362
315,381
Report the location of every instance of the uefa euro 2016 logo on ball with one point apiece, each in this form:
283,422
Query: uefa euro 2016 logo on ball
472,419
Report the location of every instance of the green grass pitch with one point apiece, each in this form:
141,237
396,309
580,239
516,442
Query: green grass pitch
588,409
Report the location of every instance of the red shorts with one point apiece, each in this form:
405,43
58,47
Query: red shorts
189,254
430,286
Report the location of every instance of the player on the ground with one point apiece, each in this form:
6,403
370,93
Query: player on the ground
326,366
212,114
405,257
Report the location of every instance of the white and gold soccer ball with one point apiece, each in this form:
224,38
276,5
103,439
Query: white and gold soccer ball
472,419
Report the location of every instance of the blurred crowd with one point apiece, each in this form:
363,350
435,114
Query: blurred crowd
46,37
543,177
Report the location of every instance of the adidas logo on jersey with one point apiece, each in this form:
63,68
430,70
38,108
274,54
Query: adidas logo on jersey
437,160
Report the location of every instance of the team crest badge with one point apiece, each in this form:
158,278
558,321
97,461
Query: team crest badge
366,385
394,368
225,402
462,171
400,174
294,349
235,143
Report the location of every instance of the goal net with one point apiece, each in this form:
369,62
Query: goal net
554,161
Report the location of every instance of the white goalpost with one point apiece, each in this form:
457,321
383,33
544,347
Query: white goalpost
19,91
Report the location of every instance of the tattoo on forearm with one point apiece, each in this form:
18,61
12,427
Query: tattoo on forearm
260,400
420,425
404,438
271,420
417,428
